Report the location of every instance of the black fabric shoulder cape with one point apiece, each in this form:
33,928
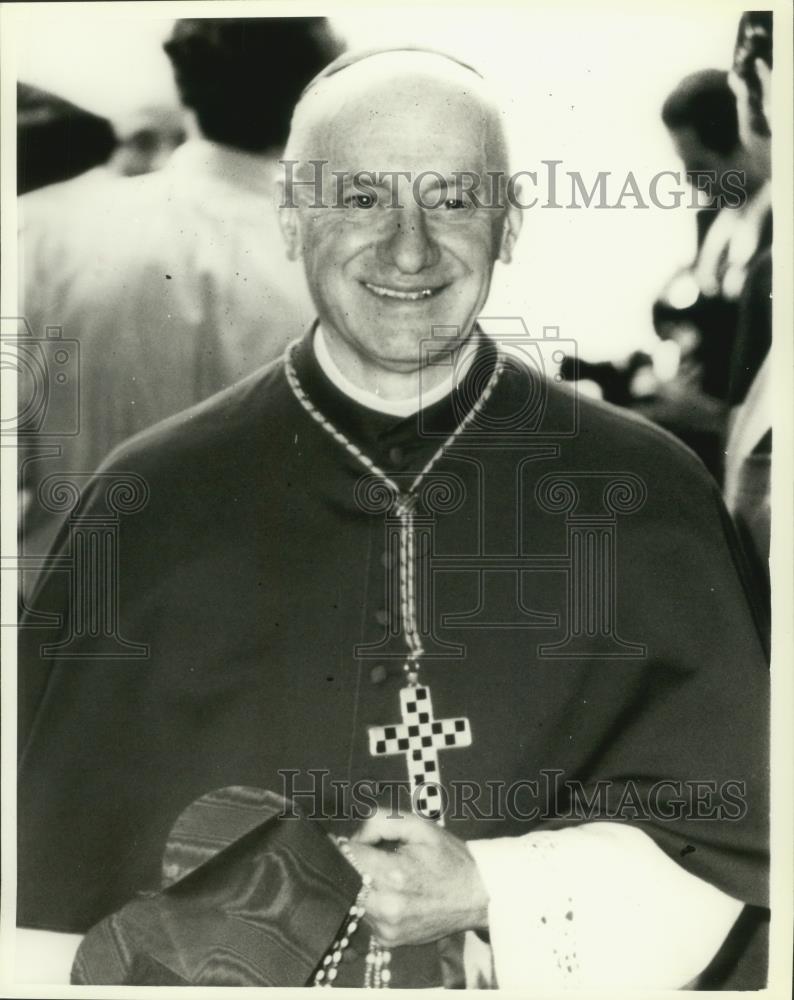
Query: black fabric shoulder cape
259,576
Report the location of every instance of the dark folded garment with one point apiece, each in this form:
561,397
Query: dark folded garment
252,896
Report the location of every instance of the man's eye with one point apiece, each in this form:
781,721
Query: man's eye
455,203
361,200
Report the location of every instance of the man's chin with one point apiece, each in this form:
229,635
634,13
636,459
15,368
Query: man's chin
414,323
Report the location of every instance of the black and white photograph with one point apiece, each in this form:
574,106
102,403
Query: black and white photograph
397,497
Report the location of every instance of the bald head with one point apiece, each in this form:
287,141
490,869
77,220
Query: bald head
394,174
382,101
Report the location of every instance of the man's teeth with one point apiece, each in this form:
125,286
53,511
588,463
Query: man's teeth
392,293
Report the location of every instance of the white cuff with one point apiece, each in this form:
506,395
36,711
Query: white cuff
598,905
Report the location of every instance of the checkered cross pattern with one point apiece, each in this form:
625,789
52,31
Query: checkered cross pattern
420,737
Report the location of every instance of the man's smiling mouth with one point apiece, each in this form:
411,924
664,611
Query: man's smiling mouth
413,295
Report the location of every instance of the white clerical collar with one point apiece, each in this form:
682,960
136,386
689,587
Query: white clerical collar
394,407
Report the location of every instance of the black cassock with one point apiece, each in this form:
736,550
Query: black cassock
580,603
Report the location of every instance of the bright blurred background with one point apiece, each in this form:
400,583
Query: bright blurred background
581,86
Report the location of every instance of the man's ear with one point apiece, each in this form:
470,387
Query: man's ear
289,223
511,227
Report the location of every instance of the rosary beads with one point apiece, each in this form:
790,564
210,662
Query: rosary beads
377,974
329,970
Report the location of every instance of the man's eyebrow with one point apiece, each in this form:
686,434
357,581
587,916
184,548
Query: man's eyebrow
457,179
369,180
385,180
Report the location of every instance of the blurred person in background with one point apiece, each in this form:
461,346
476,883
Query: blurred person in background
70,151
701,117
698,310
748,445
57,140
684,384
174,283
147,136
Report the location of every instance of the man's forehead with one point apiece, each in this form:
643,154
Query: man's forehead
417,104
408,129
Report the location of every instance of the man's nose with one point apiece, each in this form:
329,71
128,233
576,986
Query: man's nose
409,245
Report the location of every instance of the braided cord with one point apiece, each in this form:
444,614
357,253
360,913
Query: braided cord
404,503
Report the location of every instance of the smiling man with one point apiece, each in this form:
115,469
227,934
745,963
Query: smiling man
402,566
397,248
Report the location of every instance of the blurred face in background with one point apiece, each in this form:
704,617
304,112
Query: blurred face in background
696,156
147,138
754,122
750,79
397,259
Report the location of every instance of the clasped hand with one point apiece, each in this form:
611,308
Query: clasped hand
425,883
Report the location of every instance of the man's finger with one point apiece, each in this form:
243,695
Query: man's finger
383,867
382,825
389,825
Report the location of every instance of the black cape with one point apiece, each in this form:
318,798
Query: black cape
260,577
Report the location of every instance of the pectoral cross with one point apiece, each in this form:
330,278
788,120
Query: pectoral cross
420,737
